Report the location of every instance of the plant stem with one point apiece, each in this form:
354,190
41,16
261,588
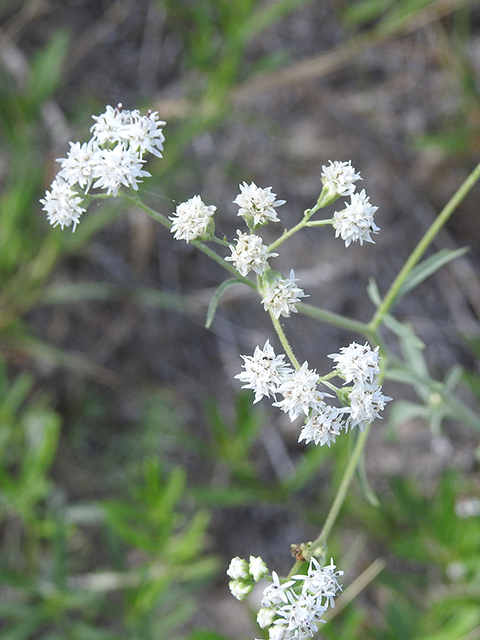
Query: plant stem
318,546
284,341
417,253
342,490
336,320
307,214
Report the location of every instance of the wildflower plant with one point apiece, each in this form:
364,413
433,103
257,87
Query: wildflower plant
324,406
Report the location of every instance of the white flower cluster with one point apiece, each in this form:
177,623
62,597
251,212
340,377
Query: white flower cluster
354,223
359,364
268,375
249,254
192,220
290,609
281,295
112,158
257,205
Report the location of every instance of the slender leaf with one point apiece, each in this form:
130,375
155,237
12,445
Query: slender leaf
427,268
212,307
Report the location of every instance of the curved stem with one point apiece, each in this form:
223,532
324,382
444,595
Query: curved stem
417,253
284,341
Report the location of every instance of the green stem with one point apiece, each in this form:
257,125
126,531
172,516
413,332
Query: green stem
286,234
319,223
307,214
342,490
318,546
336,320
417,253
284,341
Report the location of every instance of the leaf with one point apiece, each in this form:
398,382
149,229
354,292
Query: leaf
212,307
427,268
364,484
373,292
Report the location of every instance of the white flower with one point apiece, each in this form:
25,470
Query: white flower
191,219
321,582
238,568
62,204
281,295
257,568
339,177
144,134
108,125
323,425
301,615
355,222
275,593
264,371
117,167
79,164
249,254
240,589
366,402
299,391
357,363
257,205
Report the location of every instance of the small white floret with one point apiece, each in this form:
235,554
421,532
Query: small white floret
191,219
340,177
257,205
62,204
300,393
281,295
249,254
355,223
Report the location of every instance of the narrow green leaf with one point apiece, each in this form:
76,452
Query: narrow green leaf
427,268
364,484
373,292
212,307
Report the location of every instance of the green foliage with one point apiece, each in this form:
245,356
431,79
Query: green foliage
47,594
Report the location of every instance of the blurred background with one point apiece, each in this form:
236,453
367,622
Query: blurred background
132,467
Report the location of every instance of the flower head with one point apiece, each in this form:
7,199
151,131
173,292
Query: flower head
357,363
323,425
281,295
264,371
143,134
192,219
366,402
116,167
257,205
339,177
108,125
78,166
355,223
249,254
62,204
300,393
